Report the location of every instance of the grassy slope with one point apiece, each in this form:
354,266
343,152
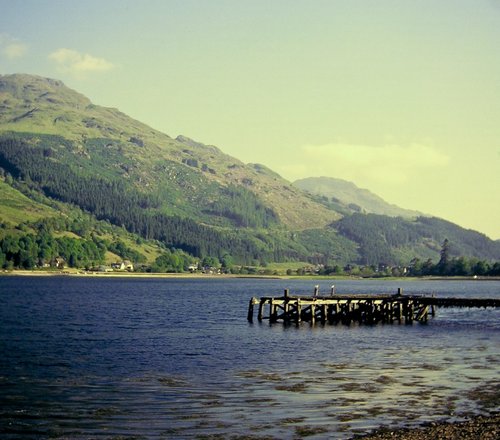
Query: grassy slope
16,208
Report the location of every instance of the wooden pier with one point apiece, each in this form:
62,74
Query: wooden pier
356,308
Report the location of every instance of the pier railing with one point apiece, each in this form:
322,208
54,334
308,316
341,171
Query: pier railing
356,308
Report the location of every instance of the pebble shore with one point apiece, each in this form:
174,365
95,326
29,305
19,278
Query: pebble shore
476,428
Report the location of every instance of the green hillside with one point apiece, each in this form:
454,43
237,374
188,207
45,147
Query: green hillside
91,184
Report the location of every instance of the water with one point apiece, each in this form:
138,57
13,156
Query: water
175,358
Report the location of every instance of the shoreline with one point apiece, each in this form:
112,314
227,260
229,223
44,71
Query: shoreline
118,274
82,273
481,427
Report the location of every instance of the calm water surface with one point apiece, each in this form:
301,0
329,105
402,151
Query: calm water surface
175,358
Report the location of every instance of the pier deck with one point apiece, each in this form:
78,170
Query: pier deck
357,308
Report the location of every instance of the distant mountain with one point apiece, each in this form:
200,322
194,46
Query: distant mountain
90,182
349,197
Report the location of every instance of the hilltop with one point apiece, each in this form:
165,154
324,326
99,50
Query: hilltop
348,197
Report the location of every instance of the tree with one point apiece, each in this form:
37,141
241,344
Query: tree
460,267
416,267
428,267
210,262
443,265
495,270
480,268
227,262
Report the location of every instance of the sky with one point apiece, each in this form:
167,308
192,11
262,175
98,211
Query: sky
398,96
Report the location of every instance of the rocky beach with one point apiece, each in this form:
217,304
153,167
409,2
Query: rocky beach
476,428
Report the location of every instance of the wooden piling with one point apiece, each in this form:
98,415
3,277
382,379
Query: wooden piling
261,308
273,311
253,301
297,317
313,315
357,308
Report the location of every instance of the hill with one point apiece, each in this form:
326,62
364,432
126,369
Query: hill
93,184
347,197
145,157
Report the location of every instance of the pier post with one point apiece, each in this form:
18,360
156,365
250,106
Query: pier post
253,301
409,312
399,311
346,319
324,309
335,312
298,318
261,307
286,298
273,311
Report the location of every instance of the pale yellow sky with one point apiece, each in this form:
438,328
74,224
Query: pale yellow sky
401,97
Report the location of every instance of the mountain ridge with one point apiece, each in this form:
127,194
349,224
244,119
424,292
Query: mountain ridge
352,197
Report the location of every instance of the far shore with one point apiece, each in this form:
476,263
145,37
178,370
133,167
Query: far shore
124,274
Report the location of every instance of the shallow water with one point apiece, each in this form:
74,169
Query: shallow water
176,358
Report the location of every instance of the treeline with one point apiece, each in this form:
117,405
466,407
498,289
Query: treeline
460,266
453,266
